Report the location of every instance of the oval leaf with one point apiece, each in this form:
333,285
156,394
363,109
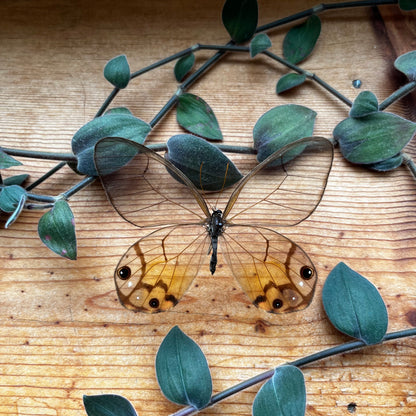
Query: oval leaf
259,43
283,395
240,19
407,5
196,116
183,66
280,126
182,370
110,125
108,405
204,164
56,229
6,161
388,164
407,64
289,81
366,103
354,306
373,138
117,71
16,180
10,197
300,40
119,110
17,211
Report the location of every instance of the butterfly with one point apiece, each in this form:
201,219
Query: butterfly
147,190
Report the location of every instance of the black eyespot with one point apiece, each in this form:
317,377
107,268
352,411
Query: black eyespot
154,303
277,304
124,272
306,272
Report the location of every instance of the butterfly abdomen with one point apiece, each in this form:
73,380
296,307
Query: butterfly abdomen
215,228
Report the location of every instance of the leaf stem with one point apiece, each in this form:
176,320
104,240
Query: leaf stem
339,349
48,174
34,154
397,95
107,102
173,100
79,186
314,77
321,8
408,161
160,147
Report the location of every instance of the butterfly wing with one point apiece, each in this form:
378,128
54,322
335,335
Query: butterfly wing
275,273
156,271
285,194
141,185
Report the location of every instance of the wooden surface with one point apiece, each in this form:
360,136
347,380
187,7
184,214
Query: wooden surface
62,331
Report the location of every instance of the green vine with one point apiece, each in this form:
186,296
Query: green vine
369,137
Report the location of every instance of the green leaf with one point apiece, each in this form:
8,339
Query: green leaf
283,395
10,197
280,126
119,110
289,81
108,405
300,40
203,163
407,64
182,370
366,103
112,153
117,71
183,66
407,5
17,211
56,229
110,125
196,116
240,19
388,164
16,180
373,138
7,161
354,306
259,43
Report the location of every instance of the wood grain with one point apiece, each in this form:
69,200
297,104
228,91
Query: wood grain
62,331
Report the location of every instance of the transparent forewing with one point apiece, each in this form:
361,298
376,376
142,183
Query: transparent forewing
157,270
275,273
143,189
285,194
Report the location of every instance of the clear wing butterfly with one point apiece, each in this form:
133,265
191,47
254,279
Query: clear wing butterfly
155,272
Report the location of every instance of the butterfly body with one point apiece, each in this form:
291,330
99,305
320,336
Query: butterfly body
215,229
274,272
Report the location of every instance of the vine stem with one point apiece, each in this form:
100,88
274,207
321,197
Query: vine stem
400,93
264,28
34,154
339,349
408,161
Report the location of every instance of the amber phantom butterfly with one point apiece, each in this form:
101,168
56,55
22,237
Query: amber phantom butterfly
149,191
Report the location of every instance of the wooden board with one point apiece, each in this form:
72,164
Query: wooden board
62,331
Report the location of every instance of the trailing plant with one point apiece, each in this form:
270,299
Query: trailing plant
352,304
369,136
